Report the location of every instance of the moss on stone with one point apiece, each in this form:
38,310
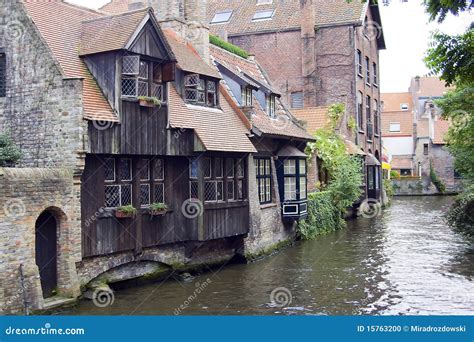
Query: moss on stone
272,249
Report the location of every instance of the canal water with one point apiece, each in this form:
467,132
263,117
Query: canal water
406,261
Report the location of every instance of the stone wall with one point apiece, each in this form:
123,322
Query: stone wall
24,195
42,110
267,230
443,164
413,187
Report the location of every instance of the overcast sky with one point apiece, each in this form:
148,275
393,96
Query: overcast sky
407,33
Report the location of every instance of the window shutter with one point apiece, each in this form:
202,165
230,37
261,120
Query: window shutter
168,72
297,99
3,74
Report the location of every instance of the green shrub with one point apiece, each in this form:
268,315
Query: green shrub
214,40
323,216
461,213
388,187
9,153
394,174
436,181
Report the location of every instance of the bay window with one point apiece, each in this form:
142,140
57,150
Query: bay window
264,179
293,182
141,78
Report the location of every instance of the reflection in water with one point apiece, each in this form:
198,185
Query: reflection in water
406,261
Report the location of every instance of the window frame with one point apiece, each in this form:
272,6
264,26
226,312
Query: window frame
359,63
297,176
268,17
367,71
271,105
397,124
214,21
360,111
118,182
201,87
3,73
375,74
265,197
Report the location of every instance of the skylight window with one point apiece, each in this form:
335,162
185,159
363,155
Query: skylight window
221,17
263,15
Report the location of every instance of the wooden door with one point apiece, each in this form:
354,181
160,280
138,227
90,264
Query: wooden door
46,252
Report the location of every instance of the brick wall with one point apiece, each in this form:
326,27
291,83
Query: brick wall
42,111
279,53
24,195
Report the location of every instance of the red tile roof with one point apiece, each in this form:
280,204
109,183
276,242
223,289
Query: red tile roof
287,14
285,124
314,117
115,6
402,162
188,58
60,25
429,87
110,33
392,101
218,130
441,127
405,119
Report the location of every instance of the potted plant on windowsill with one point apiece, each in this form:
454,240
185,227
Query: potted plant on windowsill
158,209
126,211
147,101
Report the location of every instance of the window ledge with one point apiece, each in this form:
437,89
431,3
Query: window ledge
377,135
268,205
360,75
367,84
375,85
361,131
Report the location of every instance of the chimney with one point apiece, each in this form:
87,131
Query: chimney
308,52
417,84
195,14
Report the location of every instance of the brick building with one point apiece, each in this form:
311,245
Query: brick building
317,53
135,109
414,132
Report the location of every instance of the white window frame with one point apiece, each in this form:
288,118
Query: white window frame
394,124
226,19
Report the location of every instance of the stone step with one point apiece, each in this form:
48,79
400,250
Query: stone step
56,302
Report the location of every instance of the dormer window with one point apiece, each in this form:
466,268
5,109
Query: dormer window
247,97
271,105
137,80
200,91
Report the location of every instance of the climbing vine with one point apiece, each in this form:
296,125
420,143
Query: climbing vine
9,153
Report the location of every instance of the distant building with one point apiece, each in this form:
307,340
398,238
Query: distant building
413,132
317,53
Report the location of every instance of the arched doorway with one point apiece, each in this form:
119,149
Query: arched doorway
46,252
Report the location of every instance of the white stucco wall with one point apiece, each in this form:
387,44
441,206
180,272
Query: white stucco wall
397,146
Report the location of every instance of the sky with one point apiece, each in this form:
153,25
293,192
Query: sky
407,34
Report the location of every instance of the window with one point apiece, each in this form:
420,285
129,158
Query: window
200,91
425,149
271,105
359,63
360,114
264,179
136,80
367,70
404,106
221,17
247,97
376,117
394,127
223,179
297,99
152,187
374,71
263,15
303,179
264,2
3,74
118,182
368,114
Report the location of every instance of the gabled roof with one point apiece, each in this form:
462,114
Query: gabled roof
314,117
218,130
285,125
441,128
287,15
116,6
59,23
405,119
188,58
392,101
